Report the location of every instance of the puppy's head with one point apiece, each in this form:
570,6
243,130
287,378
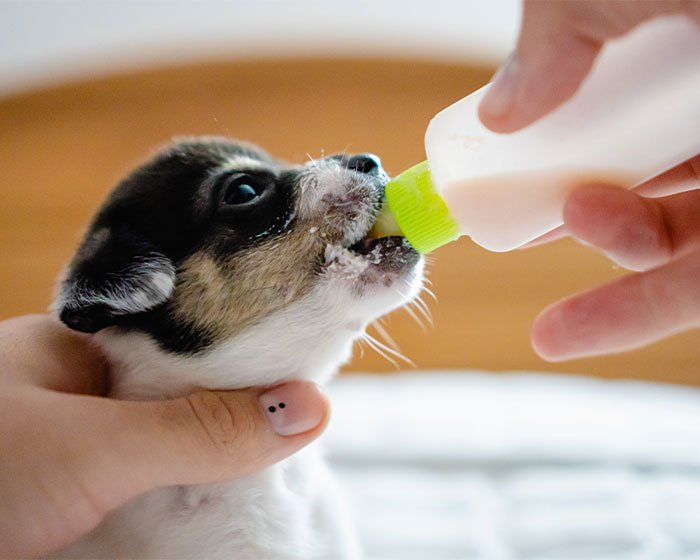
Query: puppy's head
212,237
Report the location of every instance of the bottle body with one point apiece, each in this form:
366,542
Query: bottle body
636,115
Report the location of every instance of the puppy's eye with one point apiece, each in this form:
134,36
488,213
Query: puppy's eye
240,194
241,189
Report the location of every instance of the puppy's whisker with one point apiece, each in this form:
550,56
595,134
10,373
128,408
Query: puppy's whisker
370,342
360,345
363,183
355,188
403,296
424,315
418,302
381,331
408,284
312,160
385,352
345,204
424,310
383,348
429,292
416,319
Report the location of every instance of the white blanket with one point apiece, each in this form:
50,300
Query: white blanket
502,466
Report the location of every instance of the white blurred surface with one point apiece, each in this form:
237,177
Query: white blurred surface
469,465
48,41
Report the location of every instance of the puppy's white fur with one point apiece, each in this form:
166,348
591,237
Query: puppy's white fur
290,510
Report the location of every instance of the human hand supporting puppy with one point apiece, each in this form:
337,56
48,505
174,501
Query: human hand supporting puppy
70,456
659,237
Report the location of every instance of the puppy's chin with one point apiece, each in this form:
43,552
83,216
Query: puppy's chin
378,274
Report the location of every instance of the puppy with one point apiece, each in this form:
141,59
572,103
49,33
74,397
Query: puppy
216,266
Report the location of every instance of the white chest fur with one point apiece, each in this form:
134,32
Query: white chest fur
289,511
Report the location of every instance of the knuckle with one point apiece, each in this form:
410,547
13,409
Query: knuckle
225,426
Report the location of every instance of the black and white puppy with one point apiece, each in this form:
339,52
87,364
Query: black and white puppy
215,266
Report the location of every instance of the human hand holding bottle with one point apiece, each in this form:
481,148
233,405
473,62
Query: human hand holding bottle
654,230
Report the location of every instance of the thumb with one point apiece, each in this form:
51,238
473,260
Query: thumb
551,60
206,437
556,48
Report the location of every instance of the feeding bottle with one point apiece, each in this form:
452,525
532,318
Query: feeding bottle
636,115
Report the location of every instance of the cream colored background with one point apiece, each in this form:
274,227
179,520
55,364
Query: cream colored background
61,150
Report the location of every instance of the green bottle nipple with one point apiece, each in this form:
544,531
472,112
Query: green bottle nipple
415,210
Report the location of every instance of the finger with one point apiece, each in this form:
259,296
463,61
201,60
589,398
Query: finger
38,350
556,48
550,62
637,233
625,314
677,179
203,438
92,454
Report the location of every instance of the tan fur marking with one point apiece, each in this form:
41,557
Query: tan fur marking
225,297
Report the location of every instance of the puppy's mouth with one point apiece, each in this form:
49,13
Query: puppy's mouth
369,253
375,248
361,253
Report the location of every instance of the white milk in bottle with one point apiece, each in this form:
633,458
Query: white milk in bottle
636,115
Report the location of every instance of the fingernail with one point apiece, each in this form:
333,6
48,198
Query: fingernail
499,99
294,408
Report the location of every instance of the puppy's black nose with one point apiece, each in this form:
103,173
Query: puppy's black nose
365,163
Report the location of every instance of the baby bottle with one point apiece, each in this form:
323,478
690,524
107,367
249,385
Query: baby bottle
636,115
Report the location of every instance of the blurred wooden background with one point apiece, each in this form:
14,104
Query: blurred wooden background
62,149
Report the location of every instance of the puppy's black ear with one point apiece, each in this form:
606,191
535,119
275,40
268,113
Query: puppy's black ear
115,273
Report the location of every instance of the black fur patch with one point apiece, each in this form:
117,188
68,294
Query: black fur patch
190,199
163,212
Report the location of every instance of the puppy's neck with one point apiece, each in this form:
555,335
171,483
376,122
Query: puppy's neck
300,342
